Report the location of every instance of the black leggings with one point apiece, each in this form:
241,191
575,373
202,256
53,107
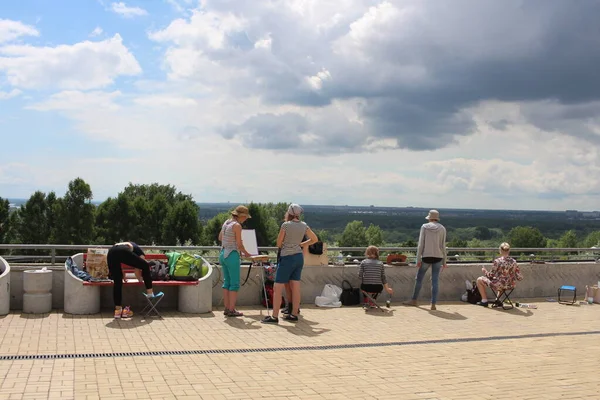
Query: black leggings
123,254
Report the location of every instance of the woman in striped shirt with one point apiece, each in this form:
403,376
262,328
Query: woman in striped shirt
229,258
372,274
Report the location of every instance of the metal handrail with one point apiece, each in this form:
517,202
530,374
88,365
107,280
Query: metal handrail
451,251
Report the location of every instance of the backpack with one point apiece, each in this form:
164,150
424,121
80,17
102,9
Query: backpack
159,271
188,267
473,295
269,299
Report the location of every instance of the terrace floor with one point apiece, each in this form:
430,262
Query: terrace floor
460,351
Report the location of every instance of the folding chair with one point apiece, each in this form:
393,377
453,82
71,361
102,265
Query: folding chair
150,309
503,299
371,300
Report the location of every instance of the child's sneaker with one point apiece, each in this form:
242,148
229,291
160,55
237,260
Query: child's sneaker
118,312
126,313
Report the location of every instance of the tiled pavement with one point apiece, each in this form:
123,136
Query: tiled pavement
458,352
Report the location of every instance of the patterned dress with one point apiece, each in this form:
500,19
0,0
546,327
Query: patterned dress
504,274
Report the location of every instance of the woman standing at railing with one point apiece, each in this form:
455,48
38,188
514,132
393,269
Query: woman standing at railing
229,258
431,252
291,243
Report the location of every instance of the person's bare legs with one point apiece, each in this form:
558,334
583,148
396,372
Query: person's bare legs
481,286
226,299
277,289
289,295
295,290
232,299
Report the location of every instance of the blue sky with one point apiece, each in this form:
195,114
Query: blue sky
470,104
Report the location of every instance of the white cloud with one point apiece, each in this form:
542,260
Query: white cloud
73,100
96,32
9,95
127,12
11,30
165,101
84,65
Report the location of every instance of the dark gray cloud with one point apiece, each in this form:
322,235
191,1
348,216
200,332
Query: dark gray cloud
415,65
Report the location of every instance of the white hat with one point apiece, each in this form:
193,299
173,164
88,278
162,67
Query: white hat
433,214
295,210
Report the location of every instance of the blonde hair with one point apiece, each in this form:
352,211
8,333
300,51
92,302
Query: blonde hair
504,247
372,252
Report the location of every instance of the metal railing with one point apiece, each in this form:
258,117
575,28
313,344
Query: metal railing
15,253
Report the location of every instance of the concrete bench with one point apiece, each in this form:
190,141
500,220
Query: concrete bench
83,297
4,287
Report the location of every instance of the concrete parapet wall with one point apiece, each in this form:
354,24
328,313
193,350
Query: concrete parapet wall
540,280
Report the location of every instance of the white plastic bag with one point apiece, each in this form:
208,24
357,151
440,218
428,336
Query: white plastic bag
469,285
332,291
330,296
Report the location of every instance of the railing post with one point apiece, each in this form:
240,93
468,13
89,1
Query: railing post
52,256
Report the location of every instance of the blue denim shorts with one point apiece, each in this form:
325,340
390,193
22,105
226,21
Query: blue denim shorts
290,268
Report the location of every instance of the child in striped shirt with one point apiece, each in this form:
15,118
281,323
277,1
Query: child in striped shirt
372,275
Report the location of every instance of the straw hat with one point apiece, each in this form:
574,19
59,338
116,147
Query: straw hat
240,211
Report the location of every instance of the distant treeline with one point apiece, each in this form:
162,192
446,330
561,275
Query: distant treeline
159,214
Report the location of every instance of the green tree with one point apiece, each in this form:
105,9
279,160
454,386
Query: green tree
75,214
527,237
182,224
213,227
4,220
457,243
265,227
33,222
483,233
592,239
149,214
323,235
354,235
374,235
568,239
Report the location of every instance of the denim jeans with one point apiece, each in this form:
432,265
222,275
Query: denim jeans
435,275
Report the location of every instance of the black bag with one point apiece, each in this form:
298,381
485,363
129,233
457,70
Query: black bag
473,295
316,248
159,271
350,296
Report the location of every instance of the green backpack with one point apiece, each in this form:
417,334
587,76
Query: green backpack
187,267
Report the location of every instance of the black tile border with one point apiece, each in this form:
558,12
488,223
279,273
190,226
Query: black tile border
284,349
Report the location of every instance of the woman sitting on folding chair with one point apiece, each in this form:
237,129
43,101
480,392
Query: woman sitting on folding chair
503,277
372,275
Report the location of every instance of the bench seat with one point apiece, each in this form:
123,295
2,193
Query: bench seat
83,297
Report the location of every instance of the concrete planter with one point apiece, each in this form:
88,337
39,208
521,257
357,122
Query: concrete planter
80,299
37,286
4,287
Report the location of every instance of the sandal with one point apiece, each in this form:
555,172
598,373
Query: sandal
226,312
235,313
270,320
291,318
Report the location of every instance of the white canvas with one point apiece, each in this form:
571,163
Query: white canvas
249,240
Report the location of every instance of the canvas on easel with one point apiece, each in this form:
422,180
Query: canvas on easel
249,240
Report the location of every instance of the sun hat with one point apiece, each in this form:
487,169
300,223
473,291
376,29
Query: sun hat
241,211
295,210
433,214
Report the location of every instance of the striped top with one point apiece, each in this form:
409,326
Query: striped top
372,272
294,234
228,244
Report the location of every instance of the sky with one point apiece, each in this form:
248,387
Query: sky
449,104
